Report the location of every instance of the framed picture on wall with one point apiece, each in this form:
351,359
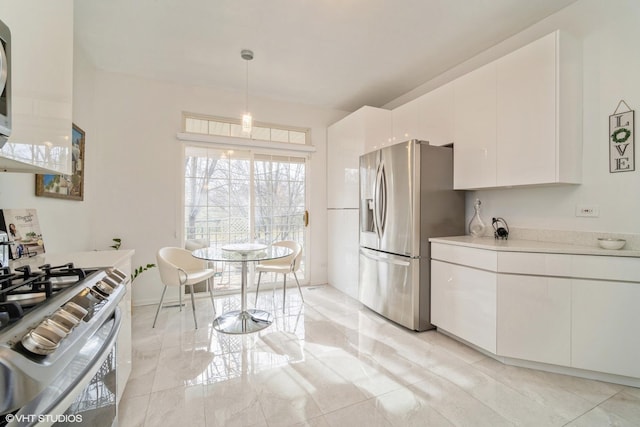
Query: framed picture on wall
66,186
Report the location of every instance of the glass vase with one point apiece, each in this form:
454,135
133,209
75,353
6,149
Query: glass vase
477,227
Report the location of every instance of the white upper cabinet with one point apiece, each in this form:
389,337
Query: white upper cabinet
474,148
518,119
539,114
42,85
428,118
364,130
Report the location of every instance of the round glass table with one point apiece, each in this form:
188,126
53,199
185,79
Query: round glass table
245,320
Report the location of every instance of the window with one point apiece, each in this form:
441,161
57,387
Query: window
242,195
229,127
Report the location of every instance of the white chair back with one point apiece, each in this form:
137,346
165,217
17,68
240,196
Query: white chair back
171,260
294,258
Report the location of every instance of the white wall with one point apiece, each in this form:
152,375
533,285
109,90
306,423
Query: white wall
609,32
133,168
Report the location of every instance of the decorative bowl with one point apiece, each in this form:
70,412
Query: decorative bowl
608,243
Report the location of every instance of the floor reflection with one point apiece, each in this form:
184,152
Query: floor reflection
332,362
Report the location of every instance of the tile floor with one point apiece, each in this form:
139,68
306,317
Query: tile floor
332,362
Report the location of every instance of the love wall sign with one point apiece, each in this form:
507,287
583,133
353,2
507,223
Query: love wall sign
621,140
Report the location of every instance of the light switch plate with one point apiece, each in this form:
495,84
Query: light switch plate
588,211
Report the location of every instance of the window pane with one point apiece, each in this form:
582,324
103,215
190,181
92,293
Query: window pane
196,125
219,128
297,137
261,133
280,135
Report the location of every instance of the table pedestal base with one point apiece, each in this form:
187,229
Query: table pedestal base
242,322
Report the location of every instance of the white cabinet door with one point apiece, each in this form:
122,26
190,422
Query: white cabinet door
42,85
364,130
427,118
345,145
474,147
534,315
435,116
518,119
604,333
343,258
405,122
463,302
526,114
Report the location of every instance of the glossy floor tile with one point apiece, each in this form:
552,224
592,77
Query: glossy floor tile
332,362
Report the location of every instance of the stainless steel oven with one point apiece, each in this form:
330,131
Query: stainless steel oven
56,370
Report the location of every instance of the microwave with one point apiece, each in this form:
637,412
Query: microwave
5,83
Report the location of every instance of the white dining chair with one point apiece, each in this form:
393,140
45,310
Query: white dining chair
179,268
284,266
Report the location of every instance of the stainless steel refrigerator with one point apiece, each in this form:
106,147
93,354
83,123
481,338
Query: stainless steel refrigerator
406,197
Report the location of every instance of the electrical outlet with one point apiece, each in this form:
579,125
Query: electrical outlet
588,211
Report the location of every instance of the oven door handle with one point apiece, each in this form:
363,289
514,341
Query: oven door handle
64,400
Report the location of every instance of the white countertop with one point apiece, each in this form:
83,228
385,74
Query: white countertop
511,245
85,259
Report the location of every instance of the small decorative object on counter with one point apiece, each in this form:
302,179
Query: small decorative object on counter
608,243
500,228
476,225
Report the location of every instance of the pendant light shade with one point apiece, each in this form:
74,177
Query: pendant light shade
247,121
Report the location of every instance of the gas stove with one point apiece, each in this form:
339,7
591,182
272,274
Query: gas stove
25,289
48,317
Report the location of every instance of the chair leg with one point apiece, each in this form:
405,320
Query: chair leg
159,305
180,297
193,305
284,291
210,286
257,288
298,283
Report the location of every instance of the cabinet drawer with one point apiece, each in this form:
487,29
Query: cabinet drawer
606,268
535,263
471,257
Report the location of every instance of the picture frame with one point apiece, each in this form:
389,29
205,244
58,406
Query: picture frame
70,187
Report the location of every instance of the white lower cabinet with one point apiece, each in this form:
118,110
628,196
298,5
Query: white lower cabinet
605,321
463,302
576,311
534,318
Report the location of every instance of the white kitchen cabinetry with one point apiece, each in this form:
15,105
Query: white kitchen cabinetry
518,119
364,130
534,318
427,118
474,148
343,246
539,113
42,85
576,311
463,302
605,319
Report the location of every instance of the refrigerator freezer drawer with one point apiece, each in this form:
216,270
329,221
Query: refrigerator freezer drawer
390,285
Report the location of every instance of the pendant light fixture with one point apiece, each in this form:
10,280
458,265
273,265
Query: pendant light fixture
247,121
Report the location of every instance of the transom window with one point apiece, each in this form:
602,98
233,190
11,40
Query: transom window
220,126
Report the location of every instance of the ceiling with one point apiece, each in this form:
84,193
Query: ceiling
329,53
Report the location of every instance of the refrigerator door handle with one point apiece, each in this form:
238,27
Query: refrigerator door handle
385,259
380,201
